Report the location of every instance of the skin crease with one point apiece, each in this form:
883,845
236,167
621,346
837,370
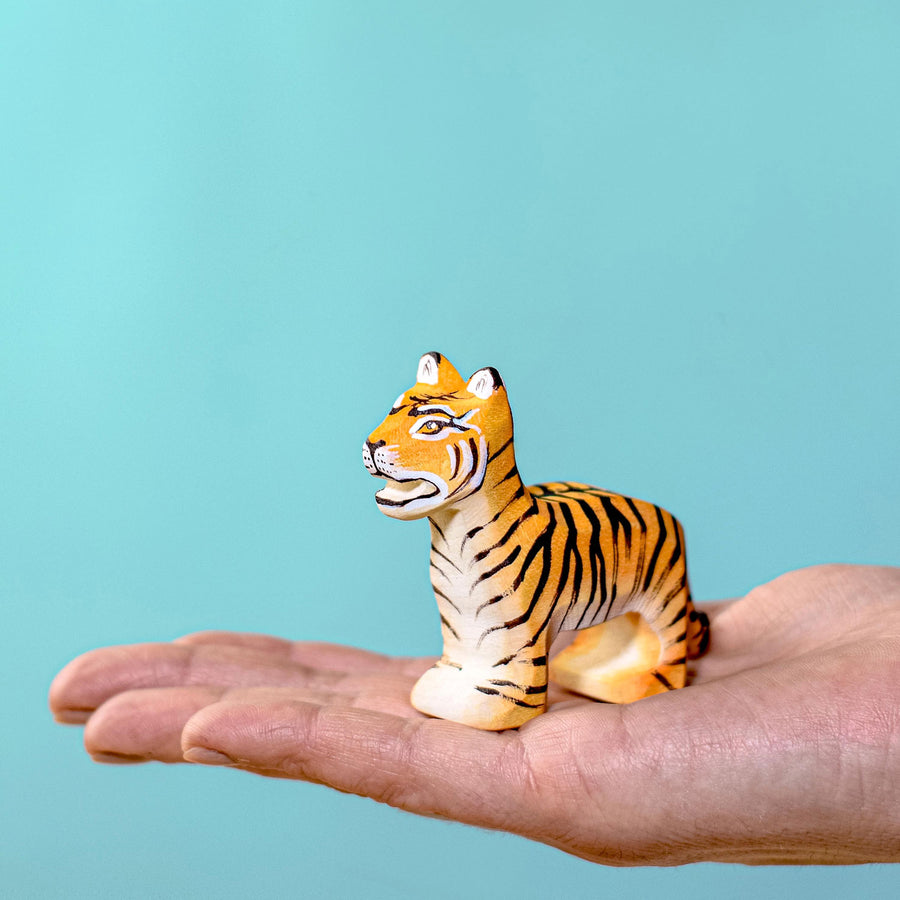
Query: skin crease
784,749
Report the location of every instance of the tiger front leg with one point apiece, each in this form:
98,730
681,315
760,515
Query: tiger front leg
488,694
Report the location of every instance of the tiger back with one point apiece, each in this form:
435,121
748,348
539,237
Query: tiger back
513,566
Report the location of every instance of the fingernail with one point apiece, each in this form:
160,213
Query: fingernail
118,759
207,757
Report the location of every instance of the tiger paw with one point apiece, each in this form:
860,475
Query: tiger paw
449,692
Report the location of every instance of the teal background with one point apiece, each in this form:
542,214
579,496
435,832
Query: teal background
227,234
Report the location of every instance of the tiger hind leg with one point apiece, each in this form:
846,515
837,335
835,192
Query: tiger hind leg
633,656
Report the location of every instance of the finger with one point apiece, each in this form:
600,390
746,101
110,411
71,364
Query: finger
94,677
144,725
427,766
267,643
627,788
336,657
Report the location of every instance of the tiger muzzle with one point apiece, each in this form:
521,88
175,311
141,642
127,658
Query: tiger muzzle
368,454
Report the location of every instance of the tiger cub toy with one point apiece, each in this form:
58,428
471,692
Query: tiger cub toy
513,566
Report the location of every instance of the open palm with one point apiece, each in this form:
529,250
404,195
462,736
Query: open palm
785,748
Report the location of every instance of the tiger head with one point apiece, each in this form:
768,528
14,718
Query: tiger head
434,446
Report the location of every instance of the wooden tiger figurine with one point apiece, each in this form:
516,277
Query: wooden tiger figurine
512,566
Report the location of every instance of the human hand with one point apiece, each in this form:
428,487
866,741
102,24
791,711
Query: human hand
784,749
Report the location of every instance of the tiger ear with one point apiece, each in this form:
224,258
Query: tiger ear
435,369
484,383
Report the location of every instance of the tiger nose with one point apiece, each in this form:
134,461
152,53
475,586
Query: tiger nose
368,453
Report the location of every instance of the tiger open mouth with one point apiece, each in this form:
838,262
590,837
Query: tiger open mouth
399,493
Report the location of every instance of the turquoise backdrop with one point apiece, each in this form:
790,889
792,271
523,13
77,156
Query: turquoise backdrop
228,231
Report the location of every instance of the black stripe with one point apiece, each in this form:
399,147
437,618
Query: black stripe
485,690
568,549
501,565
660,541
540,630
428,409
663,680
490,602
512,472
474,531
673,559
450,628
617,520
457,459
532,510
536,548
595,552
674,592
572,546
445,597
435,398
642,549
519,492
536,689
439,570
474,448
543,542
493,456
546,567
437,528
444,556
536,661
